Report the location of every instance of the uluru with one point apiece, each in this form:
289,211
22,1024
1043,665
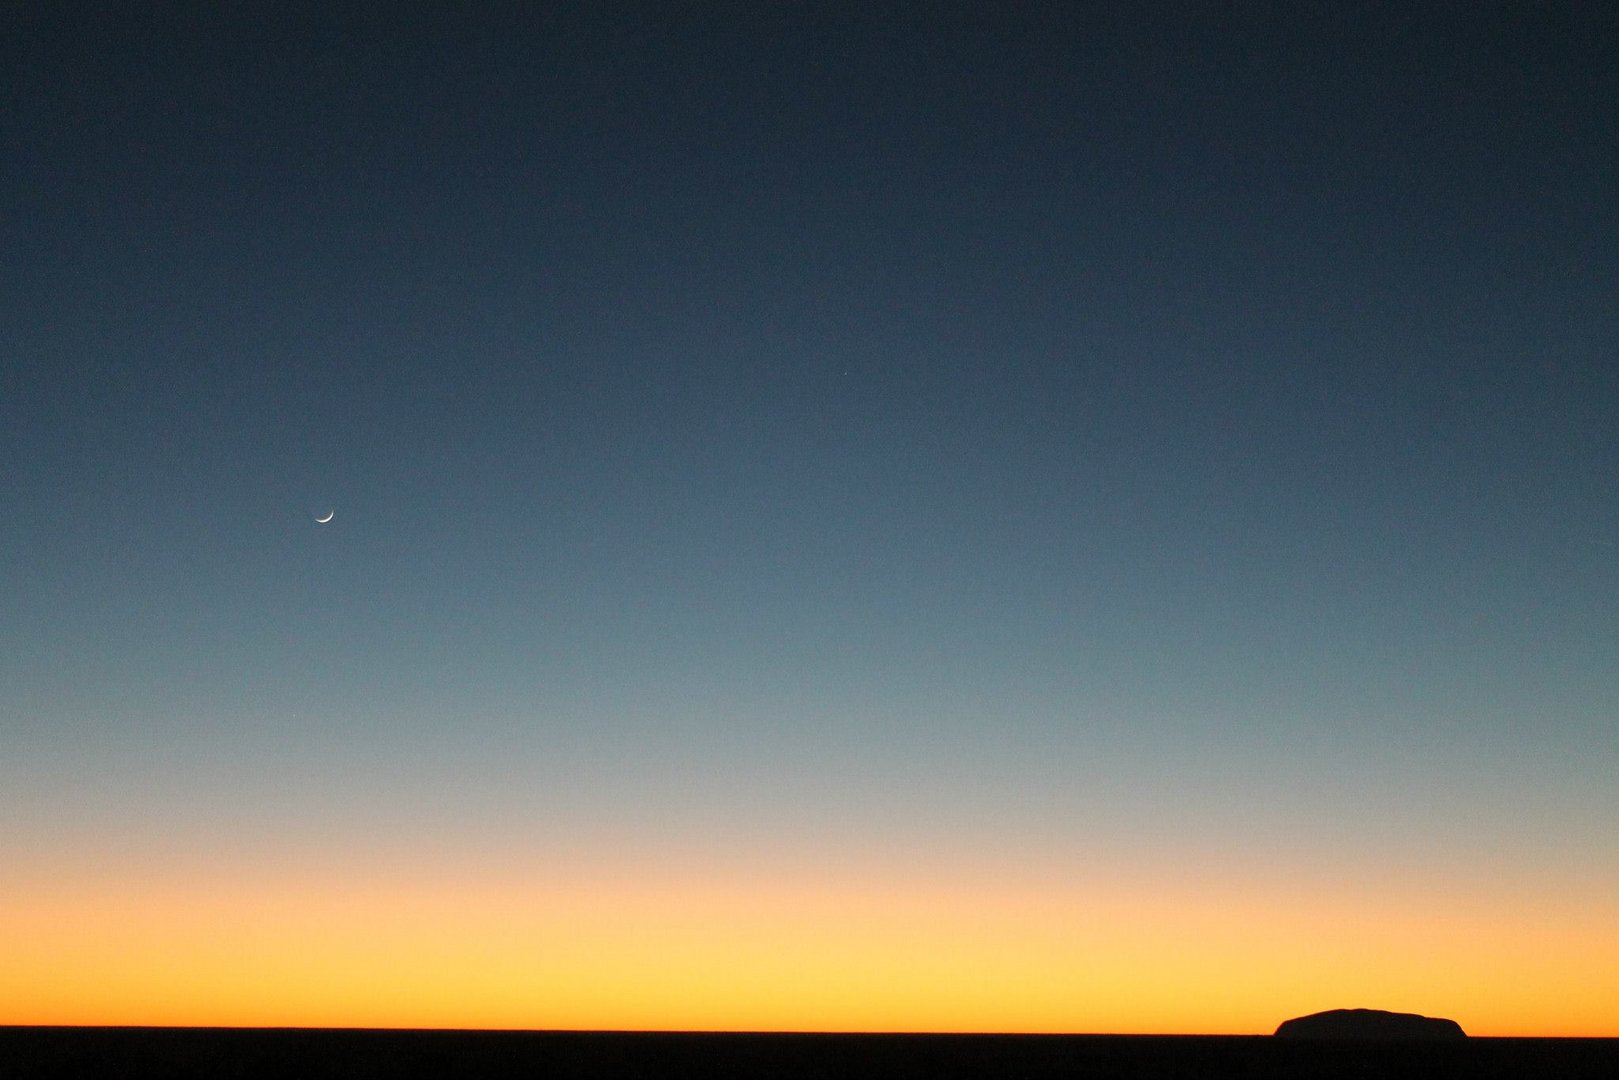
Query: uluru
1369,1024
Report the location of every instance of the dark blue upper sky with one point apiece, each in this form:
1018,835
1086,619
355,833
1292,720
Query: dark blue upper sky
1021,388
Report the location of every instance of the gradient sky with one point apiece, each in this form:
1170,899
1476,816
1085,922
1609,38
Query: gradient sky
1079,519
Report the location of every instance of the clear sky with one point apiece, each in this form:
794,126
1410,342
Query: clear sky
1069,518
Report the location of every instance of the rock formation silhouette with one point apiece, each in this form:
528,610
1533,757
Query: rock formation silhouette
1369,1024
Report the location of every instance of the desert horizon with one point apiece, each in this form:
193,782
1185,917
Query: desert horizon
329,1052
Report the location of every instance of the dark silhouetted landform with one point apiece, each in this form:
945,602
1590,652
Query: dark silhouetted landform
314,1054
1369,1024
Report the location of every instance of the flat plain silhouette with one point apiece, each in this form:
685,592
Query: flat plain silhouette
48,1053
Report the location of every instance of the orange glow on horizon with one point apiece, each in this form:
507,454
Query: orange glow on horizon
740,953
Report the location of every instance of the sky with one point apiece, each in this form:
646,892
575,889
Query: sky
955,517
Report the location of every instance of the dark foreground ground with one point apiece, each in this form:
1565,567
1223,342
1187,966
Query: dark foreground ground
229,1052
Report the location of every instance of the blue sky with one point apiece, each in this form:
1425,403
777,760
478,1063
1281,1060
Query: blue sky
1033,433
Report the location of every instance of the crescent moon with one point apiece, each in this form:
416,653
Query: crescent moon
329,515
